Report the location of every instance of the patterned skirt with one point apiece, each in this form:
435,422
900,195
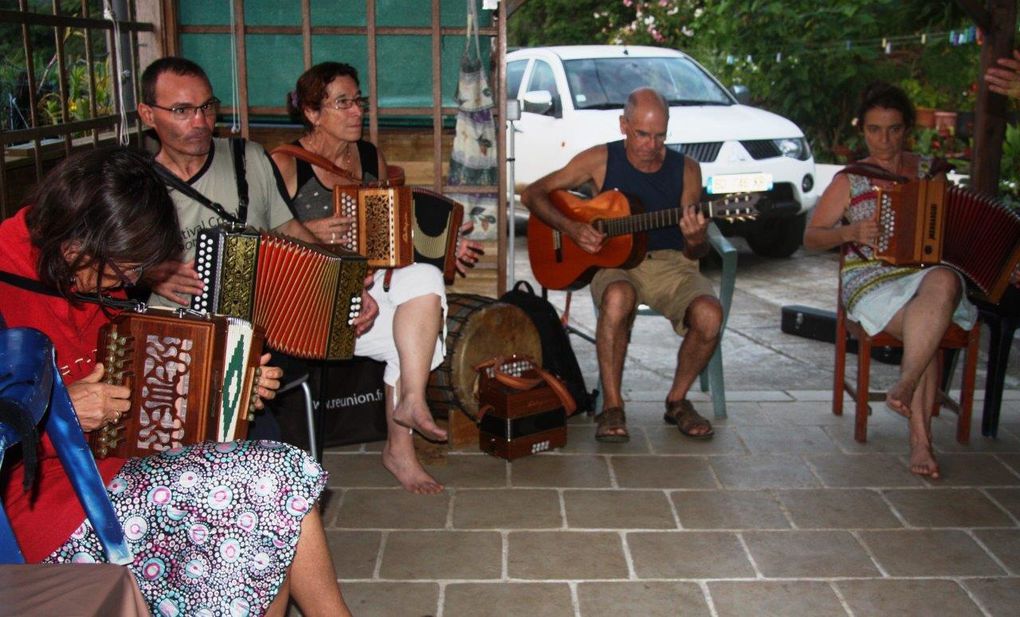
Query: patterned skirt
213,527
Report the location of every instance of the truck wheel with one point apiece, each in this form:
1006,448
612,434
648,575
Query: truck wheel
779,237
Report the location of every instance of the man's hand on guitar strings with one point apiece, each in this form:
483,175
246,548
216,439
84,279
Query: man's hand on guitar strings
694,226
585,236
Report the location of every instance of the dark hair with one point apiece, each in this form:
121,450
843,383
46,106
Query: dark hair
886,96
171,64
110,202
311,88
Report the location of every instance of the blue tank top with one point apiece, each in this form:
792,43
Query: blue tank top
661,190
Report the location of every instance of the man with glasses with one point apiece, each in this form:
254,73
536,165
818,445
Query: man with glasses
201,172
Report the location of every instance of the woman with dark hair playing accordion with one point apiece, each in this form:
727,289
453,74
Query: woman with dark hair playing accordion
215,528
915,305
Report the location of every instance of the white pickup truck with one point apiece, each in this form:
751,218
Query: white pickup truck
570,98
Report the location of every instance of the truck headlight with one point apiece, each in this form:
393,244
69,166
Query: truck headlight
794,147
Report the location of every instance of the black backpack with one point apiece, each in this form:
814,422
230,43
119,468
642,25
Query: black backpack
557,354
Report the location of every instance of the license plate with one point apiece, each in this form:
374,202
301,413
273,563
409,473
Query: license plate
738,183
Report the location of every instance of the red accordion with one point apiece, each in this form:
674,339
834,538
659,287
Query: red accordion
928,222
397,226
192,379
306,297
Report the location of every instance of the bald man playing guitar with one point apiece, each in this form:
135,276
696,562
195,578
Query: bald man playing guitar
667,279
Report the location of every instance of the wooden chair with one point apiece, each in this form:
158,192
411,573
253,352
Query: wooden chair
954,338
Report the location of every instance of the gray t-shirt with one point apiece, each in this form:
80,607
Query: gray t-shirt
267,204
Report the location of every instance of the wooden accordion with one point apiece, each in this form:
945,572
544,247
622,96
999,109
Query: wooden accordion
192,379
397,226
929,222
306,297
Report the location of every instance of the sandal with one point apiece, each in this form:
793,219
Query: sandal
685,417
611,419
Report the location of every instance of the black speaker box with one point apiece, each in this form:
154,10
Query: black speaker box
820,325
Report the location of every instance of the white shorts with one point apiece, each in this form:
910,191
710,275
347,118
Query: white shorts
406,284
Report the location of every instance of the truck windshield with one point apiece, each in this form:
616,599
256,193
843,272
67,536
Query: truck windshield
604,83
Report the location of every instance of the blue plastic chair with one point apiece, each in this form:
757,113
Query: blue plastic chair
711,379
29,380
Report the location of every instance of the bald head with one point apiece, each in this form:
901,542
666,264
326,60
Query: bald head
643,100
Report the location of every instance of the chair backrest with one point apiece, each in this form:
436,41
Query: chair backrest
30,382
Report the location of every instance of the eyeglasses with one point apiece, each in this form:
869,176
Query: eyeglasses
343,103
187,112
129,278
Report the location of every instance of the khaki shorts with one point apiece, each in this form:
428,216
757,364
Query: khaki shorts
666,280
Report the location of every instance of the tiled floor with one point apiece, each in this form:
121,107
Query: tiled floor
782,513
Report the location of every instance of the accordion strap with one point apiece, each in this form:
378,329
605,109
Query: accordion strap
315,159
39,287
237,153
870,170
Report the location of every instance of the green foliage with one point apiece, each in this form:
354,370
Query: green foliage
565,22
1009,181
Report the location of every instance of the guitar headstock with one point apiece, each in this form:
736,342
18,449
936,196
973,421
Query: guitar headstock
735,207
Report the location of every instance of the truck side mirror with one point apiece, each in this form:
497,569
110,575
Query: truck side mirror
538,101
741,93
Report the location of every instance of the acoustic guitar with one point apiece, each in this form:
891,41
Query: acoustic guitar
559,263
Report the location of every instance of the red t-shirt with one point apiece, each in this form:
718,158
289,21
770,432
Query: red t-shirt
44,523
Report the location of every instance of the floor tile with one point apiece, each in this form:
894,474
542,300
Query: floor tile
762,471
793,554
688,554
786,440
507,509
354,552
391,509
560,471
975,470
1004,544
389,599
565,555
729,510
804,413
946,442
662,472
507,600
889,437
1011,460
442,555
929,553
1008,498
838,508
463,470
357,470
644,598
775,599
666,439
862,470
581,440
947,508
881,598
999,596
618,509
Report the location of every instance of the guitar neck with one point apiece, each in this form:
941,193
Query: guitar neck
646,221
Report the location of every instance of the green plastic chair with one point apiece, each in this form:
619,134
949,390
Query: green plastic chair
711,379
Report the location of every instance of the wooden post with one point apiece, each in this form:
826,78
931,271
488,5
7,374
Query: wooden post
997,20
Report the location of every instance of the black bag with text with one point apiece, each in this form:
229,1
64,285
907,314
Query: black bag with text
557,354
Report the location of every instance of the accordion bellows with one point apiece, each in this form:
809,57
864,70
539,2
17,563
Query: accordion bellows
929,222
306,297
191,379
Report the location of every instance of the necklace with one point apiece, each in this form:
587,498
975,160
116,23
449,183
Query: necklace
346,157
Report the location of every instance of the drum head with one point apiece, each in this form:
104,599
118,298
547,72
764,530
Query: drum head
490,329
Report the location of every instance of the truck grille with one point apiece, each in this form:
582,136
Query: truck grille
761,149
705,152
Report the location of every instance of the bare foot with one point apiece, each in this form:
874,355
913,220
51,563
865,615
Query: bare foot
413,413
922,460
402,462
899,396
